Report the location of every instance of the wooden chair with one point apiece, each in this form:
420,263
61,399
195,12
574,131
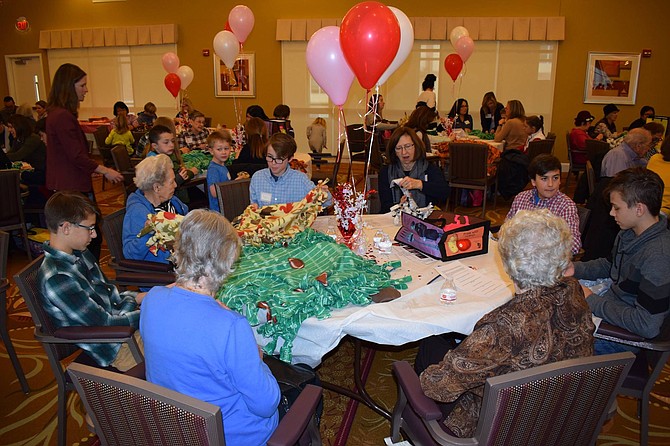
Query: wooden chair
4,333
100,135
563,403
138,273
124,164
590,177
128,411
11,211
233,197
596,151
468,170
649,362
536,148
575,167
61,343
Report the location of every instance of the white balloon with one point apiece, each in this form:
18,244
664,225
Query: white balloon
457,33
406,44
227,47
185,73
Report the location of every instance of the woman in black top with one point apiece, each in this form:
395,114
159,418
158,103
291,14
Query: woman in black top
490,112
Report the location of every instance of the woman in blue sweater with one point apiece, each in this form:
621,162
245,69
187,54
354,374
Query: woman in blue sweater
156,184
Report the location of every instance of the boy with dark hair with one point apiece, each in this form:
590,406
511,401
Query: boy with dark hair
639,296
73,288
545,175
279,184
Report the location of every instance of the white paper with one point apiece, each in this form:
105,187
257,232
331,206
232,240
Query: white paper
470,280
596,321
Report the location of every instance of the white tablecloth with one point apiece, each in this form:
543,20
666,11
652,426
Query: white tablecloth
417,314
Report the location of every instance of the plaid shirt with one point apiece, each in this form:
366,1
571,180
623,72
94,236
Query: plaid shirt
192,140
76,292
560,205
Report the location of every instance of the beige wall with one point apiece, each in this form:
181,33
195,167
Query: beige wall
618,26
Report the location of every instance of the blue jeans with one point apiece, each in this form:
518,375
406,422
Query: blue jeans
603,347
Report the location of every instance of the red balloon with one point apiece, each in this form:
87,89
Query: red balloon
453,64
173,83
370,38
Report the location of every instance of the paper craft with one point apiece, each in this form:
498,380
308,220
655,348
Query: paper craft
470,280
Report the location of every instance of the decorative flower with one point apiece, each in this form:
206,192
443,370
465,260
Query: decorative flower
349,206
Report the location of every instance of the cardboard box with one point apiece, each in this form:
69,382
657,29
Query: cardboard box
445,236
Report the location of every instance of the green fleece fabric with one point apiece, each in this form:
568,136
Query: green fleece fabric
263,274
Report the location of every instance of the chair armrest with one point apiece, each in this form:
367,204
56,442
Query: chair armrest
143,265
408,380
139,371
622,336
613,331
297,418
98,333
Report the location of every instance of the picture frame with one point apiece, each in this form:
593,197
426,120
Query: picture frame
611,78
240,81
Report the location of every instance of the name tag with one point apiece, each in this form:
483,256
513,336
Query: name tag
266,197
488,115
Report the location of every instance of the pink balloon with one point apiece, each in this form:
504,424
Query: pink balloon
464,47
227,47
327,64
241,21
170,62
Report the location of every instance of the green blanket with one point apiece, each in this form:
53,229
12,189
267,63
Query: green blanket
264,275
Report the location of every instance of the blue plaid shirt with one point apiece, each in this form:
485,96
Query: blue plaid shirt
76,292
266,189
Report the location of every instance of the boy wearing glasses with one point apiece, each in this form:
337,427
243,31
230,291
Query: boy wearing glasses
279,184
73,288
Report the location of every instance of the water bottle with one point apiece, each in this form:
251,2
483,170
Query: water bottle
448,291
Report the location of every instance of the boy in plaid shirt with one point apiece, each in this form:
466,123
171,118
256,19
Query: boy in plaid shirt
73,288
194,138
545,175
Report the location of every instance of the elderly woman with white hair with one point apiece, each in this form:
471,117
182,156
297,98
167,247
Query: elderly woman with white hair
546,321
197,346
155,181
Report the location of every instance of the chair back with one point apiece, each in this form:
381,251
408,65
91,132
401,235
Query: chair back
124,165
596,151
233,197
26,280
100,135
129,411
11,211
4,248
584,214
356,138
467,163
536,148
374,203
112,230
560,403
590,177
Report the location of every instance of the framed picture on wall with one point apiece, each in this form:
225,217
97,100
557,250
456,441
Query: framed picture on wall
238,81
611,78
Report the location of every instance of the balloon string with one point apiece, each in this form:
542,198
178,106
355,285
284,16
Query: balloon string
372,137
340,142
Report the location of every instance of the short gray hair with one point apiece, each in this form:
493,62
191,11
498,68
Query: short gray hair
637,136
535,247
152,170
205,249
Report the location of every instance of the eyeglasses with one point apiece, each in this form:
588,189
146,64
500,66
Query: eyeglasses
274,160
91,228
406,147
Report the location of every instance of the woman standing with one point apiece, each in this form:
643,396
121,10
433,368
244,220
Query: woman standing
70,166
427,96
408,164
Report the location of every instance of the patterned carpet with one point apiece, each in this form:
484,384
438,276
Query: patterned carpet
31,419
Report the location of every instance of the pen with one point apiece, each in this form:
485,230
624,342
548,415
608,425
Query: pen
434,279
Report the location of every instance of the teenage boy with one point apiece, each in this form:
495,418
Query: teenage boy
73,288
194,138
220,145
545,175
279,184
639,296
